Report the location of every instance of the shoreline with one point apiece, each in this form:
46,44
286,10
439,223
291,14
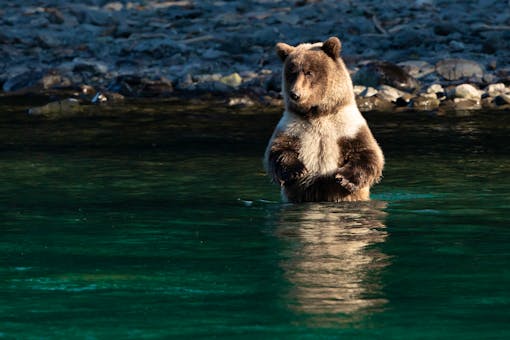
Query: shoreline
432,55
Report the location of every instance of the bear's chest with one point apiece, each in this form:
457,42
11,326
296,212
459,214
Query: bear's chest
319,150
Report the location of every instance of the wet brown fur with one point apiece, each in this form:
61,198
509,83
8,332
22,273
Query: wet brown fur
359,167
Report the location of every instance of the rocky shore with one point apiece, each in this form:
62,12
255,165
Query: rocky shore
406,55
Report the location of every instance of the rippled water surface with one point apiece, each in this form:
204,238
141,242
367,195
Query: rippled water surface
156,220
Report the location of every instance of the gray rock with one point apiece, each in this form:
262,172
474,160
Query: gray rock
211,87
201,78
455,69
114,6
445,28
456,46
136,86
417,68
385,73
88,65
54,79
409,36
48,40
90,15
157,47
55,16
490,103
502,99
212,54
23,81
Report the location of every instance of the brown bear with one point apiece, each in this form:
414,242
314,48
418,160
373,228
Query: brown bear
322,148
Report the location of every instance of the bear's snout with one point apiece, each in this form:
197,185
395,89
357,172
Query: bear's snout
294,95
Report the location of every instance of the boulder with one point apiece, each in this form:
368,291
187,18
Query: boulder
385,73
455,69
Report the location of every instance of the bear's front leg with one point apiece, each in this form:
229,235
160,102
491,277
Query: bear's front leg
361,169
283,161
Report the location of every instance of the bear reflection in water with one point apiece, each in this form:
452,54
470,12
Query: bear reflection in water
332,259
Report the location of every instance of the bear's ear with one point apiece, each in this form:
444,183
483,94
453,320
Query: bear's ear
332,47
283,50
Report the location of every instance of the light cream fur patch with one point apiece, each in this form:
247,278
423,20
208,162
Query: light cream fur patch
319,151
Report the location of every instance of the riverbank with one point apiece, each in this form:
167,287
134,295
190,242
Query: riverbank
420,55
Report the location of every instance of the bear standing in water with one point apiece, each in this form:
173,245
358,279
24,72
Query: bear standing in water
322,148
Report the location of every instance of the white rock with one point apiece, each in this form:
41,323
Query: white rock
369,92
390,93
495,89
435,88
358,89
467,91
428,95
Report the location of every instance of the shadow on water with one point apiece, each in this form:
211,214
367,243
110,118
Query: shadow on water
331,260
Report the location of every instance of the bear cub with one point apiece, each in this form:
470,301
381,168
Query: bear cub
322,148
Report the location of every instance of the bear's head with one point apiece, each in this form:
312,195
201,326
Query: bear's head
315,81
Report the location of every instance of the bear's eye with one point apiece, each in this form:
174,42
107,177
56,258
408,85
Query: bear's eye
309,74
292,69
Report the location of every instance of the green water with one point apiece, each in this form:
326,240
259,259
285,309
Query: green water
156,221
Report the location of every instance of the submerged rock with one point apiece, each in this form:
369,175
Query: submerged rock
385,73
467,104
57,109
425,103
373,103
